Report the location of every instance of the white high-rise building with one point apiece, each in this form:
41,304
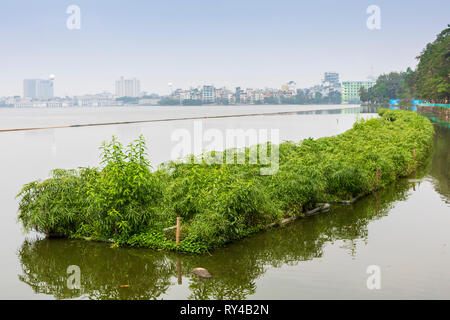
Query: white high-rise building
38,89
128,87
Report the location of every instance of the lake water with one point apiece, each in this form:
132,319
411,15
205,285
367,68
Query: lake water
402,229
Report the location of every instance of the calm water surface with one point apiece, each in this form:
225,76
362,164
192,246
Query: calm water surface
402,229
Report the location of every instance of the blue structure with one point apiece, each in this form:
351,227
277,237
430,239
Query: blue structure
394,102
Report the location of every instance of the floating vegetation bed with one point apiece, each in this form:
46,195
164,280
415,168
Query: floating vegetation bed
126,202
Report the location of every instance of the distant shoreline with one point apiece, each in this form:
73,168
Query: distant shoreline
168,119
158,105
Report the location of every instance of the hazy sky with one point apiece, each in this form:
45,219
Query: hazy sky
225,43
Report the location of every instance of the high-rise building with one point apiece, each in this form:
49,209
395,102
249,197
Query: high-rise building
238,95
350,90
331,79
38,89
208,94
128,87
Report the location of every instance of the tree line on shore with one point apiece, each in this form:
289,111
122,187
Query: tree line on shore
303,96
430,81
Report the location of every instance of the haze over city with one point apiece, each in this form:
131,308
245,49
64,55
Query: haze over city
226,43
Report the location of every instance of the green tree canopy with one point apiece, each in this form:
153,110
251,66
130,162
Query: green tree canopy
432,79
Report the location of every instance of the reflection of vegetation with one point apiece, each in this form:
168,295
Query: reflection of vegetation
235,269
304,240
440,164
103,270
438,115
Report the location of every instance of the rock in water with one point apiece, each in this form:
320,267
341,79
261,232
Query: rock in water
326,207
201,272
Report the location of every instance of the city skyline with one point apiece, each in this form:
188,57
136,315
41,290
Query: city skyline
131,87
251,44
38,93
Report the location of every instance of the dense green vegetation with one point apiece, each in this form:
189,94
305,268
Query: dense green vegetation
127,202
430,81
128,100
302,97
388,86
168,101
236,268
305,97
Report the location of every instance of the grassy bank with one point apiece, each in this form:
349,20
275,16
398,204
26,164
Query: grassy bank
127,202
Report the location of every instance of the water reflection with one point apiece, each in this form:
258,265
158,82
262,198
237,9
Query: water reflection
337,110
237,268
103,270
150,274
440,163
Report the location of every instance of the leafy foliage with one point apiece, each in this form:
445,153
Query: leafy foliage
432,79
388,86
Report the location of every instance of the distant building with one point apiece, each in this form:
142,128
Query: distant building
208,94
96,100
34,103
38,89
238,95
292,86
350,90
331,79
127,87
